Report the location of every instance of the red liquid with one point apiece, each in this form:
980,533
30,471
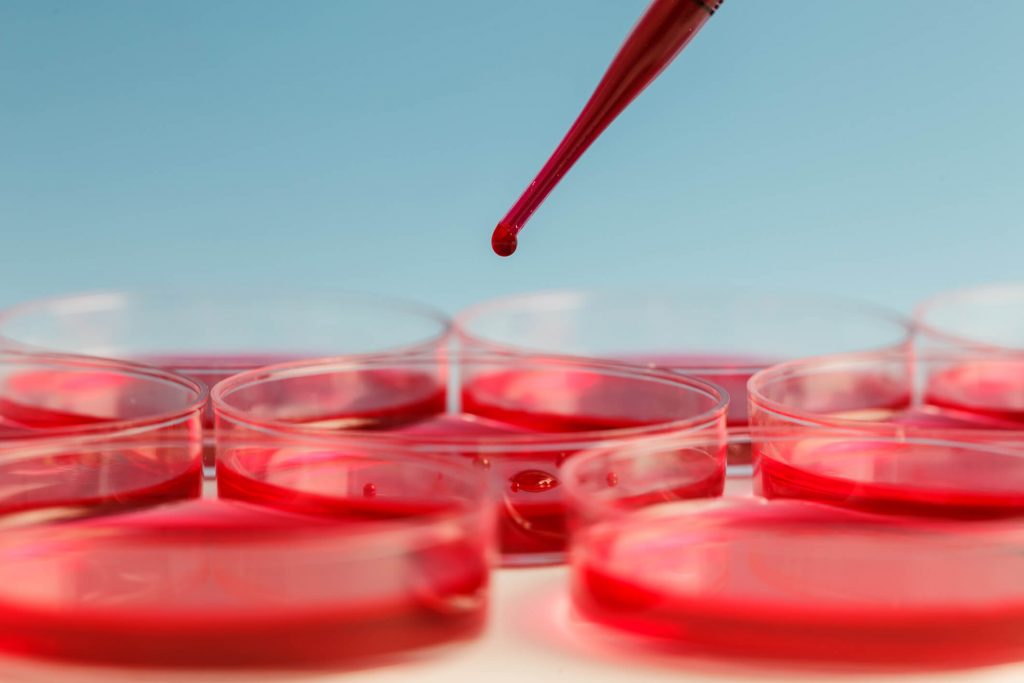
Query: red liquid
912,479
504,241
534,512
518,426
339,483
222,583
973,402
531,519
373,413
993,389
728,372
90,482
209,370
664,29
44,400
979,400
96,469
795,580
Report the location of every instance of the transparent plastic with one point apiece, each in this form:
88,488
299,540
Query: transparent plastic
516,418
720,335
298,583
953,398
968,395
209,335
986,318
790,579
80,433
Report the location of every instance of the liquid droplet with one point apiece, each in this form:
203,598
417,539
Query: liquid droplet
370,490
533,481
612,479
503,240
482,462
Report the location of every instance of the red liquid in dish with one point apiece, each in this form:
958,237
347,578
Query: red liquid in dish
225,583
993,389
728,372
91,481
42,400
339,483
898,478
534,514
796,580
664,29
209,369
973,402
531,515
95,468
517,425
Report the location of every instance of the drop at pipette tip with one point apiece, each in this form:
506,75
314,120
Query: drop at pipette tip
503,240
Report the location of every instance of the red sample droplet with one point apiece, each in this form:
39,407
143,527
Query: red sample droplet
533,481
504,241
370,490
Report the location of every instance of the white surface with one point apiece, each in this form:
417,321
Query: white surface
532,637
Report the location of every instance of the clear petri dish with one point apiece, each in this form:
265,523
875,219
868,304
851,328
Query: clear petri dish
516,418
789,578
209,335
720,335
985,318
952,398
230,583
81,434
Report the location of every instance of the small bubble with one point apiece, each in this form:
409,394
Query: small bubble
482,462
370,490
612,479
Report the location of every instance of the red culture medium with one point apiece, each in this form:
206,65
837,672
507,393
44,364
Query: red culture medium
976,403
210,583
79,436
664,29
88,481
516,425
731,373
797,580
939,480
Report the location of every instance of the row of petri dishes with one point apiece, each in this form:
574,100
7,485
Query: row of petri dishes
329,479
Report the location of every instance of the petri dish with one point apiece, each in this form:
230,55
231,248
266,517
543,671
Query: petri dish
209,335
230,583
721,335
519,419
985,318
788,578
80,434
960,402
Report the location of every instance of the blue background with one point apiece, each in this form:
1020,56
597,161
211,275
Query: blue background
869,148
